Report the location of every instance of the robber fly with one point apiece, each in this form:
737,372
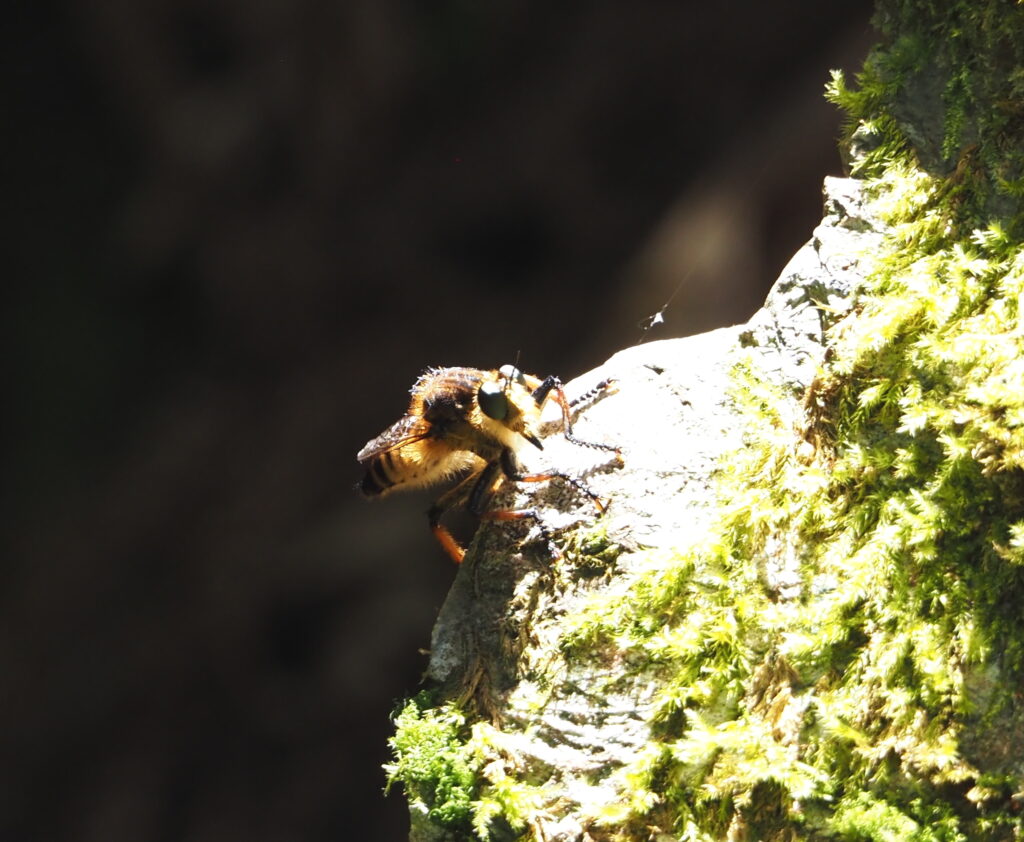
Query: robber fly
468,420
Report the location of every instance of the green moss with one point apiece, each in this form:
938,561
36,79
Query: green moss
590,551
456,775
947,82
434,764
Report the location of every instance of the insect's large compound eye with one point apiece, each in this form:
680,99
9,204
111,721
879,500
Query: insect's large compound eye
493,401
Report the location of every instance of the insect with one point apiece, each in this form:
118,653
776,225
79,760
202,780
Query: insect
467,420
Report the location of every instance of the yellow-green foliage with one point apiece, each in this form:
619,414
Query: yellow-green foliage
840,712
456,775
839,709
434,764
948,81
857,609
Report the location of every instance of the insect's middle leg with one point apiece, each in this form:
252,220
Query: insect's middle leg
511,470
507,464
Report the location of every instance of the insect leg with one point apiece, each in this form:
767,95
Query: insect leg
507,463
473,487
606,386
540,394
526,514
480,494
481,491
576,483
553,384
511,470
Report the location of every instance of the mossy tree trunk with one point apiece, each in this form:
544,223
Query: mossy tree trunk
801,616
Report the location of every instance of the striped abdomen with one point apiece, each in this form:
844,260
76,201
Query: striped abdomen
409,455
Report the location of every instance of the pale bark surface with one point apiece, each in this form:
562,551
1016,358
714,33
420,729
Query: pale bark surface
497,640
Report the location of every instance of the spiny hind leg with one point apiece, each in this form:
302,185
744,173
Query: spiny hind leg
526,514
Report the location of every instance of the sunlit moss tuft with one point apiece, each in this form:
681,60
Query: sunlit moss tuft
433,763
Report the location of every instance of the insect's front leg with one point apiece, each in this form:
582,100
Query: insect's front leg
552,384
540,394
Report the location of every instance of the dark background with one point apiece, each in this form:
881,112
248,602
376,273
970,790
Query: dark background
236,233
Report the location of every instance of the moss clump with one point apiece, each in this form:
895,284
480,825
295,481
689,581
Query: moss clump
948,83
434,764
590,552
457,776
